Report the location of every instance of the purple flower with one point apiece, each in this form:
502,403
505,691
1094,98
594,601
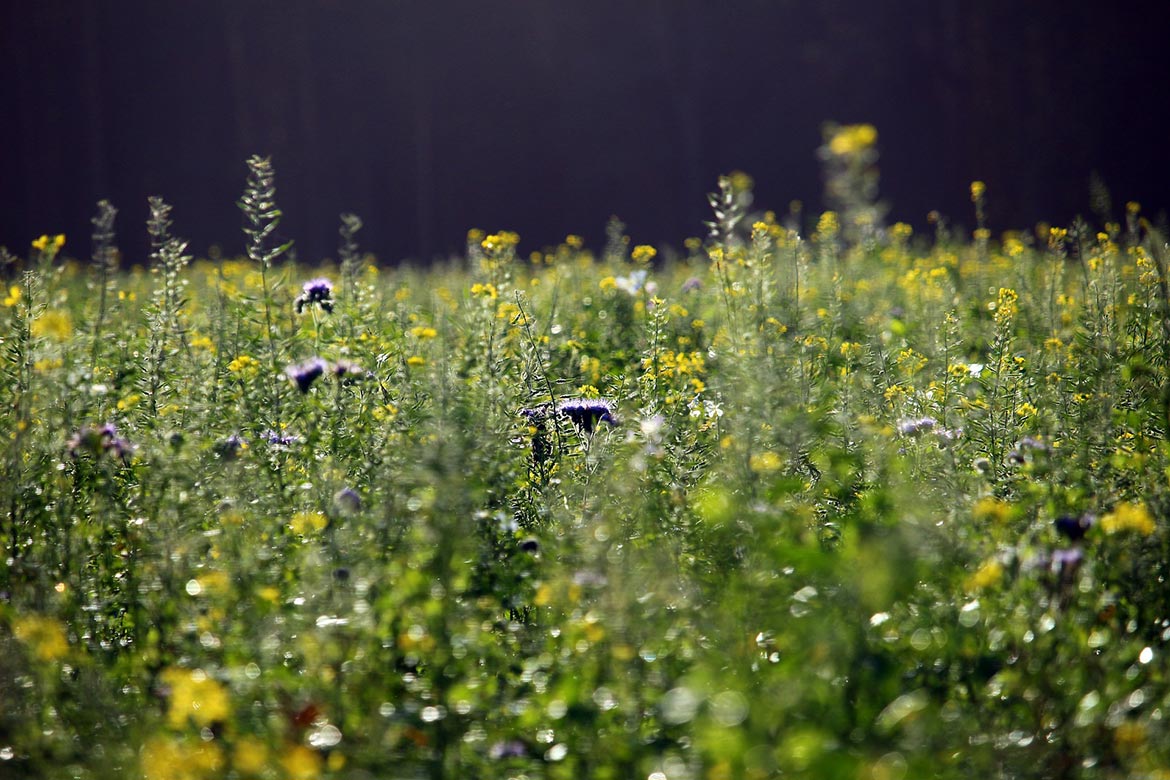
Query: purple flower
1074,528
229,448
98,441
317,291
347,371
691,284
347,501
586,413
306,373
278,439
1067,559
536,414
512,748
915,426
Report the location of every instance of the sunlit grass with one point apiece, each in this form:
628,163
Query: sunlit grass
857,503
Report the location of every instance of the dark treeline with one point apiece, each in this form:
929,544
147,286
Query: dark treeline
429,118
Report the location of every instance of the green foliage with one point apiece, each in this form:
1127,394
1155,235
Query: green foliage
844,505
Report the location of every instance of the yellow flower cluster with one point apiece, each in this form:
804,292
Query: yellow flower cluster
55,324
44,636
488,291
50,244
500,242
244,364
1006,306
423,332
643,254
828,225
13,298
986,576
1128,516
671,363
991,510
849,140
910,362
195,696
164,758
303,523
765,462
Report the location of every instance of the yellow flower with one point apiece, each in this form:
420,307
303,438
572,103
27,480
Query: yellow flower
51,244
486,290
893,392
991,510
643,253
978,189
574,241
986,576
13,296
47,364
301,763
1005,306
910,362
181,759
415,361
499,242
852,139
828,224
250,756
740,181
195,696
765,462
203,342
1128,516
423,332
244,364
306,522
44,636
55,324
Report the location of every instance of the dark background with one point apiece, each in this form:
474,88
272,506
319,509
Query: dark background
548,116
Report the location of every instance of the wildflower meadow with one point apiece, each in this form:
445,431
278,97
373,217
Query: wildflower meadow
817,497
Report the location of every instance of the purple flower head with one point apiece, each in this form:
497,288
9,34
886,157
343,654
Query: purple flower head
1067,559
1029,443
536,415
1074,528
278,439
317,291
229,448
691,284
98,441
304,374
632,284
912,426
347,501
347,371
512,748
586,413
